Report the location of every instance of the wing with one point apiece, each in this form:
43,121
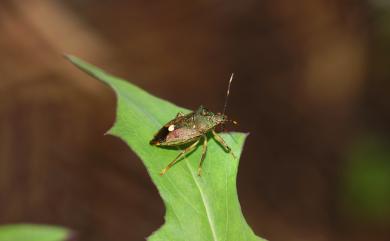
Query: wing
176,132
178,136
181,136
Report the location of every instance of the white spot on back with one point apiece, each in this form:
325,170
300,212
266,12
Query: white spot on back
171,128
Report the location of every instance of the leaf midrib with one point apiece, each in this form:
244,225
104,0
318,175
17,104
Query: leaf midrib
204,201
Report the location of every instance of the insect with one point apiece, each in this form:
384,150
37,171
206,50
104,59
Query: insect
192,128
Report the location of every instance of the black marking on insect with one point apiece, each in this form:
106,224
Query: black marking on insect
192,128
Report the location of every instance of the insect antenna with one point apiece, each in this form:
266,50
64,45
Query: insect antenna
226,99
227,94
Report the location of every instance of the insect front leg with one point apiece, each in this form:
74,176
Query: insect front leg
186,150
204,149
223,143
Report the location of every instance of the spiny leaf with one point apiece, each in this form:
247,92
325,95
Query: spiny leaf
202,208
33,232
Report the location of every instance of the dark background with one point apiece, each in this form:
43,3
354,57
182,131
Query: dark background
311,86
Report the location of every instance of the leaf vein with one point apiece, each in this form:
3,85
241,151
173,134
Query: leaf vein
205,202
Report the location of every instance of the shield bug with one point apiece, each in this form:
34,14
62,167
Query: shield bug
192,128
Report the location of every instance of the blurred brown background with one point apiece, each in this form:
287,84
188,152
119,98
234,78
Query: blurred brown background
312,87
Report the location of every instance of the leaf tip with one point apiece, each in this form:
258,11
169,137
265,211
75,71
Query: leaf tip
113,132
109,132
69,57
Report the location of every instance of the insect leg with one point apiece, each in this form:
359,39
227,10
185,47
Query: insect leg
188,149
203,155
223,143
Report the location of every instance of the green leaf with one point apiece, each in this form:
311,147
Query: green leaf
202,208
32,232
366,178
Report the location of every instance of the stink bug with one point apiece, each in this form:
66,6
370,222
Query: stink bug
192,128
